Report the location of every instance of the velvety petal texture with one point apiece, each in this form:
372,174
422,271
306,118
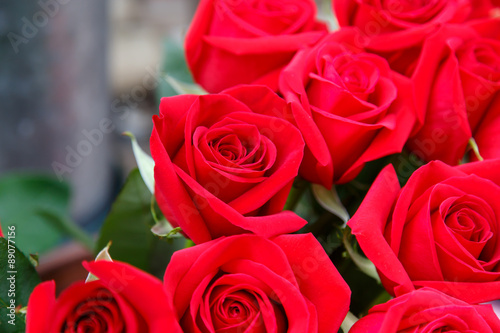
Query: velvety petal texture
241,42
123,299
225,163
247,283
348,104
440,230
428,310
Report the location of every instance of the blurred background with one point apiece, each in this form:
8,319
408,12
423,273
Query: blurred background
73,76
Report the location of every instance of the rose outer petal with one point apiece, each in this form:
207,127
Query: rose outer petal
142,290
424,309
41,304
189,266
446,131
317,277
487,169
368,225
470,292
174,201
229,220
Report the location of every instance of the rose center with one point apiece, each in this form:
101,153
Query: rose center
235,309
466,222
230,147
95,314
232,307
351,72
235,145
353,78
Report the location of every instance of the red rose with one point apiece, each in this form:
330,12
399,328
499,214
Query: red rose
124,299
240,41
456,80
247,283
441,230
350,107
399,23
224,164
428,310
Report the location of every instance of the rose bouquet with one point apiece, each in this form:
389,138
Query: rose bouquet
308,177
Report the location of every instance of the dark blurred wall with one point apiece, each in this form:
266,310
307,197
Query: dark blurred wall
54,104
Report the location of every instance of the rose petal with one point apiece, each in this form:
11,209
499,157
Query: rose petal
142,290
226,220
41,302
368,226
193,264
470,292
318,288
174,200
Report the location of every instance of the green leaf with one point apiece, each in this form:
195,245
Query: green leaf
24,278
145,163
329,200
128,224
22,197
